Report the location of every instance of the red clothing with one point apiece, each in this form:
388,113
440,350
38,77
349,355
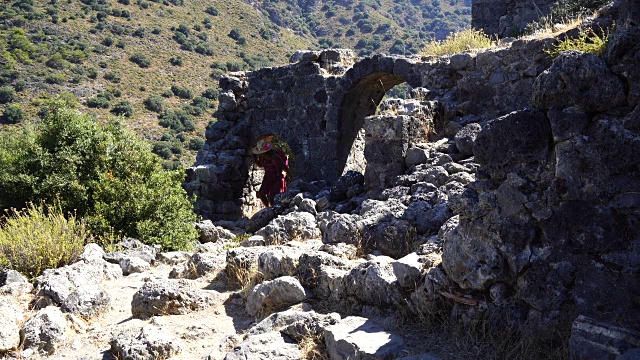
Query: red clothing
273,182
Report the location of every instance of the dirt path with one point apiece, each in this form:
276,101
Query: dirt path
201,333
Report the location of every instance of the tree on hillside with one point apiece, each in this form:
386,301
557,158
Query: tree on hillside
106,174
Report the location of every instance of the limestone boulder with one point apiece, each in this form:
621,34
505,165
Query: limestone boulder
199,265
271,345
470,257
279,261
132,248
591,339
261,219
324,274
45,331
416,156
374,283
133,264
146,343
465,138
14,283
212,233
360,338
594,88
275,294
87,301
296,324
173,257
54,286
393,237
293,226
241,260
622,55
342,228
408,270
499,152
169,297
9,328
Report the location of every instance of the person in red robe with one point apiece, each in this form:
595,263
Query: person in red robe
274,162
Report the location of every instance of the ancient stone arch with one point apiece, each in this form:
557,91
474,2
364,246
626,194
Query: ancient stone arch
317,105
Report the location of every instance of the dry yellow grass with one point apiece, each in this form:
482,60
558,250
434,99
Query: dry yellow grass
458,42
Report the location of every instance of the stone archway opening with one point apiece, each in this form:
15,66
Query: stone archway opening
360,101
256,173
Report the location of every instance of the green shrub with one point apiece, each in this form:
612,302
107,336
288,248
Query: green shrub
123,108
56,62
55,79
7,94
100,101
106,173
140,59
112,76
196,144
12,114
167,93
182,91
211,10
41,237
176,60
20,85
211,94
154,103
162,149
177,119
200,102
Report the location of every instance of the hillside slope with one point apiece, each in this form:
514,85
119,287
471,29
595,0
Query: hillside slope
123,57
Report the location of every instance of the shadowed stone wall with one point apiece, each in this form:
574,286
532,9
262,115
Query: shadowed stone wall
318,105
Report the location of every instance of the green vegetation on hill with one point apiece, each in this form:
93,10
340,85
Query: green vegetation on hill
115,55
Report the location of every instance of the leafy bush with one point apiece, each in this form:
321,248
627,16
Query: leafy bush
162,149
112,76
176,60
41,237
12,115
211,10
200,102
177,119
211,94
458,42
56,62
154,103
123,108
182,91
107,174
167,93
140,59
196,144
101,100
57,79
20,85
7,94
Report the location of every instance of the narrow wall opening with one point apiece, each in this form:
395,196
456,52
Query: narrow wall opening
360,101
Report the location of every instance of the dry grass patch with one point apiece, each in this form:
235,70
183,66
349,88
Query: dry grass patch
39,237
312,347
244,278
589,41
483,340
458,42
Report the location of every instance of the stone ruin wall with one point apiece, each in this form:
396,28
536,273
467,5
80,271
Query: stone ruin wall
318,105
503,18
